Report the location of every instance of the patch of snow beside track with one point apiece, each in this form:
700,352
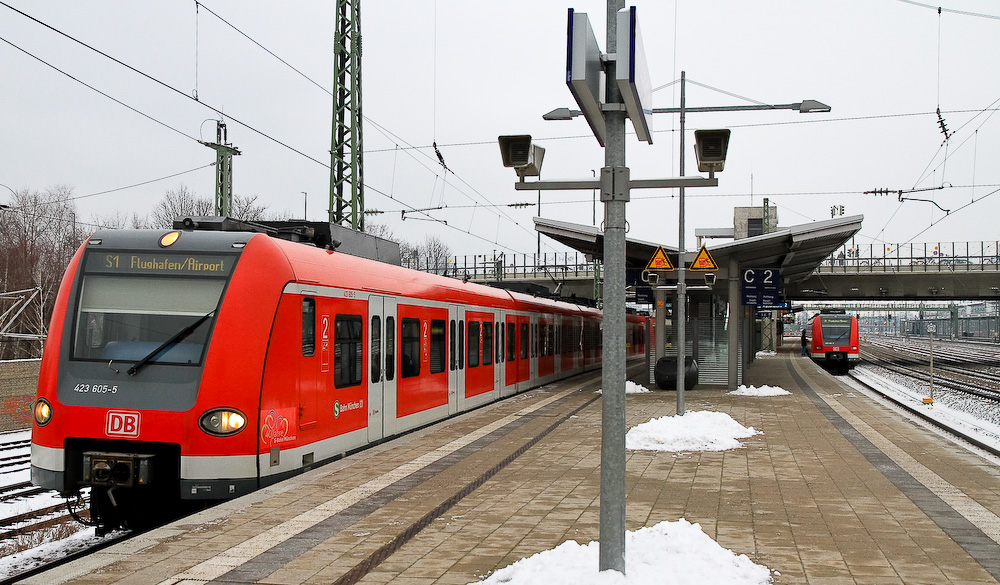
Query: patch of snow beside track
965,414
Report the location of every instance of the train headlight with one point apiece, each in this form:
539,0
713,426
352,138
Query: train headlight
43,412
169,238
222,421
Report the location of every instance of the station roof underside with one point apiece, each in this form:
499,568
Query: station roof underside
797,250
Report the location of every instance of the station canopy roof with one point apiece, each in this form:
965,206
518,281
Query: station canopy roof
797,250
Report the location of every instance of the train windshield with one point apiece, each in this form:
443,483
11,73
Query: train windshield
836,330
127,317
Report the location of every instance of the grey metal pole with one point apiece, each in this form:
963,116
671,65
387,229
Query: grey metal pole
612,529
681,285
735,322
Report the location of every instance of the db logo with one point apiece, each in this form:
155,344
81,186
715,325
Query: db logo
122,423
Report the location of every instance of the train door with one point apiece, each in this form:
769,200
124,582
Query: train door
510,351
524,356
456,357
315,364
382,364
499,351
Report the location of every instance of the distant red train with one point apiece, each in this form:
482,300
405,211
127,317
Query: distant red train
834,340
184,366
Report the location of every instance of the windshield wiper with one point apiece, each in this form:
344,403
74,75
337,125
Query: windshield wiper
173,339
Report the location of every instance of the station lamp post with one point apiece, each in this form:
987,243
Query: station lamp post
803,107
626,93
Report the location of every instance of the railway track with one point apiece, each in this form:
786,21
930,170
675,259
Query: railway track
958,367
965,373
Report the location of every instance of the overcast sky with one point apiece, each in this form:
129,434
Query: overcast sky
462,72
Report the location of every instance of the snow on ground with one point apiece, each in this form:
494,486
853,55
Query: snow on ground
695,431
965,414
631,388
669,553
764,354
762,391
21,562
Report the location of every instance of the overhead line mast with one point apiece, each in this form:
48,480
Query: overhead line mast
347,196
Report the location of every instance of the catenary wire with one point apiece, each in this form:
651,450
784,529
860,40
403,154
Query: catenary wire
175,90
393,137
91,87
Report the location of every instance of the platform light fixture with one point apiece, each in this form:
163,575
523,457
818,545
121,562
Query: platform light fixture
518,152
710,147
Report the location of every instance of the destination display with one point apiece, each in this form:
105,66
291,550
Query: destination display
159,263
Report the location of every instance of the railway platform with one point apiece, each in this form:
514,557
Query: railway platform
838,488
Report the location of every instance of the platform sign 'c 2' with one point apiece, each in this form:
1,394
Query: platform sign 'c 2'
761,286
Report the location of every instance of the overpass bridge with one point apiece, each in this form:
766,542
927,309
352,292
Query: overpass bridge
911,272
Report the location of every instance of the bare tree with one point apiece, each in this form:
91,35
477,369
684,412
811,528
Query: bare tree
179,201
247,209
38,237
431,256
182,201
122,220
380,230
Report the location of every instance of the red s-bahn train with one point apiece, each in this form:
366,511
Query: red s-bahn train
834,340
183,366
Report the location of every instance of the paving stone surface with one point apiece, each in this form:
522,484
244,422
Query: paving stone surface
837,489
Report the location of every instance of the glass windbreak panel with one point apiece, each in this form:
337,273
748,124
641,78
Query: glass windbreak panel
124,318
836,330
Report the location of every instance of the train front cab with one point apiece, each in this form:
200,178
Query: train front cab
834,340
153,345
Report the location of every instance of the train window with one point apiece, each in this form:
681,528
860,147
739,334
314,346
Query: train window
534,339
836,330
410,350
511,343
126,317
487,343
473,344
437,346
308,327
550,340
524,341
499,340
376,357
347,351
461,345
451,337
390,348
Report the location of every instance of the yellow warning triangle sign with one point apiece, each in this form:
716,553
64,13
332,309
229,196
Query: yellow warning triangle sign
659,261
703,261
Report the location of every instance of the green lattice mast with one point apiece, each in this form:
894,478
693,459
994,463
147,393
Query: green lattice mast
347,195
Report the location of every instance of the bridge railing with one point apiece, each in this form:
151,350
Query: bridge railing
499,267
924,257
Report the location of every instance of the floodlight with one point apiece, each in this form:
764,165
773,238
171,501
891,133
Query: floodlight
710,148
518,152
